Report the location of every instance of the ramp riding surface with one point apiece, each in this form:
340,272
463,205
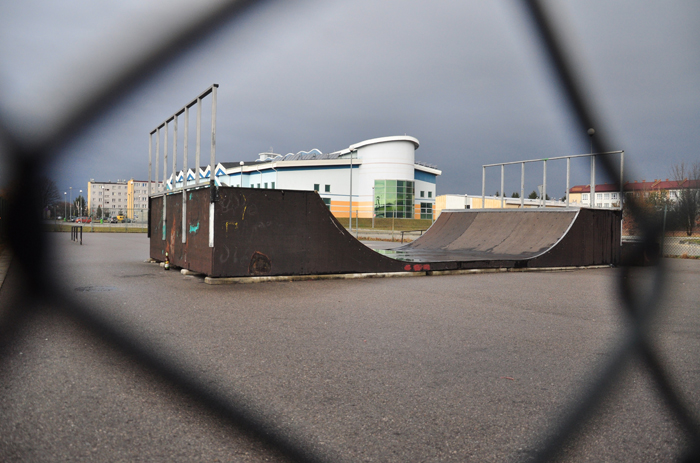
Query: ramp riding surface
286,232
487,235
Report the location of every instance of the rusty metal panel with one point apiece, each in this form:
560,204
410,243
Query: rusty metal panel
196,255
286,232
173,224
155,215
594,239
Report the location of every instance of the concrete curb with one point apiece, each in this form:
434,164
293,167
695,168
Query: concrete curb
355,276
5,259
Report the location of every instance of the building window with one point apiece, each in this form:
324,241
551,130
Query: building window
426,211
327,202
273,185
266,185
394,198
430,194
317,187
613,196
584,197
258,185
328,188
599,196
422,194
606,196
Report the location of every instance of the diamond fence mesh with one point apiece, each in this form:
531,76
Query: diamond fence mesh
30,248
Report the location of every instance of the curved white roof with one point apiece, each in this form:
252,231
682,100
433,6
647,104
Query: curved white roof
374,141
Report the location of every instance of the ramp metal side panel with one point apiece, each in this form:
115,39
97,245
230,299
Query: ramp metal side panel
286,232
155,222
594,239
195,254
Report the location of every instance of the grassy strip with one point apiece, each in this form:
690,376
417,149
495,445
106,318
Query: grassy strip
386,224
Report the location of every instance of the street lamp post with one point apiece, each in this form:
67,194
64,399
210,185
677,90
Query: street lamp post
591,132
81,204
241,179
64,205
350,208
70,188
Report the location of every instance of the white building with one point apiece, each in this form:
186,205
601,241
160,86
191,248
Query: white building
458,202
386,179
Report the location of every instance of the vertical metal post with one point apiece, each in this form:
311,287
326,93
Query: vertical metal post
184,215
544,183
165,173
522,184
483,187
503,198
212,161
212,165
185,142
157,157
185,168
165,157
357,223
174,152
568,174
197,148
622,177
150,163
592,181
350,195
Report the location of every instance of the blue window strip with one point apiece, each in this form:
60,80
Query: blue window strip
424,176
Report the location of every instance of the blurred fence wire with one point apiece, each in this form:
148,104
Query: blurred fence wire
22,226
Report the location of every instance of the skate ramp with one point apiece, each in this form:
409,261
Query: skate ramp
259,232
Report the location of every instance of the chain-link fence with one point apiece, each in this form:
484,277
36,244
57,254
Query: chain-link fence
680,231
40,287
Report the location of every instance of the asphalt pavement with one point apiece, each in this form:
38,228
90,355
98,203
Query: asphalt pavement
450,368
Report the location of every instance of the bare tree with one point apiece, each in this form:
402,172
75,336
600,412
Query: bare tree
688,204
79,205
48,192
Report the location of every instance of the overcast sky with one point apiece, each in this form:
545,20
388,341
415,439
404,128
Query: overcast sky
466,78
